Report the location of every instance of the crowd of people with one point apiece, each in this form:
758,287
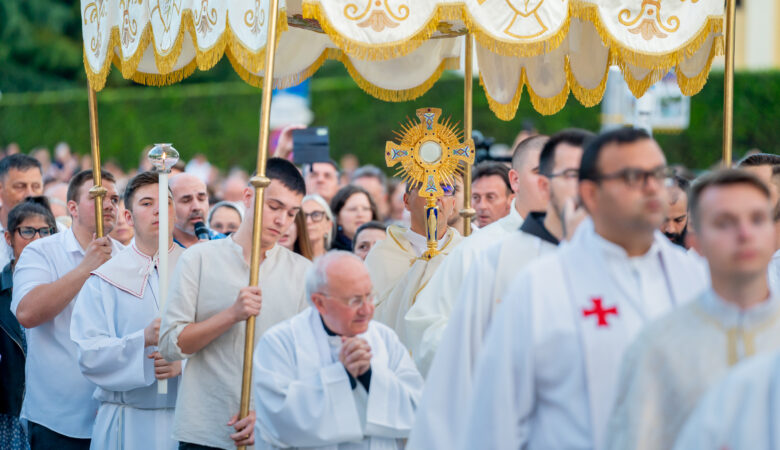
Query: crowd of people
604,300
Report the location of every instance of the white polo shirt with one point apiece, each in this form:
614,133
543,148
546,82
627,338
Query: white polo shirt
57,395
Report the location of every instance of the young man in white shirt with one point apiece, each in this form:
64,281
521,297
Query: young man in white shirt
205,317
115,324
58,401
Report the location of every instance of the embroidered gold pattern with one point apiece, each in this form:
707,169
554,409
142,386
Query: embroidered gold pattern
206,20
255,19
650,16
97,11
526,23
129,26
377,13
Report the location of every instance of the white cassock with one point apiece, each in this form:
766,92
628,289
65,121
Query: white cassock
304,397
740,412
425,321
677,358
547,372
117,302
774,272
399,273
459,343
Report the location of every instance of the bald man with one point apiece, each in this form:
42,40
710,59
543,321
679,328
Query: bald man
447,280
191,202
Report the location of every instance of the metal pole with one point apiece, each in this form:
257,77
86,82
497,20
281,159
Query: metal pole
259,182
97,191
467,212
728,84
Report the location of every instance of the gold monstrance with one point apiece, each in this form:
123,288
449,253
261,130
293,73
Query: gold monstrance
430,154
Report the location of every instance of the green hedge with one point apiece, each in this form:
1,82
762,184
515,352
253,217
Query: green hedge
221,119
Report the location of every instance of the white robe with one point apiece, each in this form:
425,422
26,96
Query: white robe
304,397
548,368
399,273
111,311
740,412
425,321
440,411
677,358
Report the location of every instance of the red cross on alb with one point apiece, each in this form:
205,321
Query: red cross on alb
599,311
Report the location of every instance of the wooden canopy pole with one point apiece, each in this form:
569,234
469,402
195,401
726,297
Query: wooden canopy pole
98,192
259,182
728,84
467,212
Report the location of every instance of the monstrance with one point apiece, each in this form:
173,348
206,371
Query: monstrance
430,154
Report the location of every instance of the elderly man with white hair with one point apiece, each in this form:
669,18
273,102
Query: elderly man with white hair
331,377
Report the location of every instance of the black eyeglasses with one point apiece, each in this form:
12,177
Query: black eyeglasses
315,216
635,178
29,232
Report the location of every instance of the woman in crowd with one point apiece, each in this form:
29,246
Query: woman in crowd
296,238
352,207
319,223
28,221
225,217
367,235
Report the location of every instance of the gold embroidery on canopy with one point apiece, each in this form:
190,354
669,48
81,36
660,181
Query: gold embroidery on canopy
648,27
254,19
129,27
206,20
526,19
379,17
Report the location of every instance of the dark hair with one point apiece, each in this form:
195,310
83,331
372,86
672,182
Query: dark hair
82,177
20,162
29,207
682,183
373,225
759,159
523,147
370,171
720,178
137,182
286,173
344,194
572,136
489,169
589,169
330,162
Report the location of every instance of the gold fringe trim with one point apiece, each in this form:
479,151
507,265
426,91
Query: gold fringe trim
312,9
693,85
547,106
387,95
621,54
204,59
504,111
587,97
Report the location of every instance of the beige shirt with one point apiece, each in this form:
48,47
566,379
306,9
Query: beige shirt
207,279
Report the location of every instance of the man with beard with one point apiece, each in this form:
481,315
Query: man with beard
547,373
58,403
675,225
192,204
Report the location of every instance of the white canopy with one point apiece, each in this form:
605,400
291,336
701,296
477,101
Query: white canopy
397,49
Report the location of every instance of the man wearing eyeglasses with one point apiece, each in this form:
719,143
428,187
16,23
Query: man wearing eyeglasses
20,177
331,375
397,268
548,369
452,329
58,402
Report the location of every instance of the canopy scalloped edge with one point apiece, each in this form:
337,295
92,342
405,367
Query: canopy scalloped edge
443,13
204,59
622,58
387,95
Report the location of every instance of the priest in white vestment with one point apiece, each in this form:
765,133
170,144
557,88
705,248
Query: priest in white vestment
547,371
457,338
445,283
678,357
331,377
397,268
205,316
740,411
115,324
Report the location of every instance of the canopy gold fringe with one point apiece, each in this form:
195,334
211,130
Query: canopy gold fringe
205,59
387,95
